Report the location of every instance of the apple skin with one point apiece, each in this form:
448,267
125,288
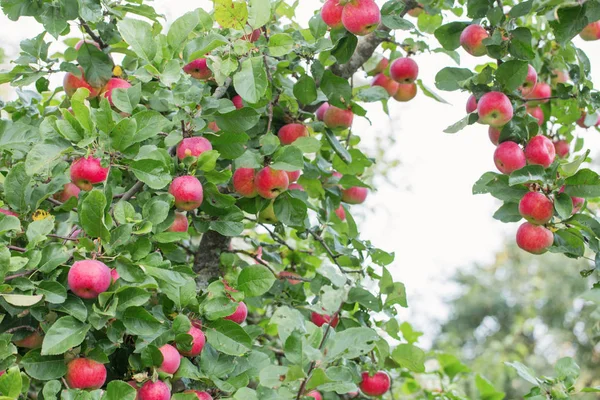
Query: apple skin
354,195
471,40
406,92
537,113
540,151
296,186
252,37
180,224
244,182
8,212
331,13
494,109
340,212
289,133
293,175
69,190
471,104
88,278
404,70
289,276
88,171
509,157
578,203
187,191
494,135
83,373
541,91
375,385
321,111
562,148
581,121
154,391
338,118
31,341
320,320
530,81
81,43
536,208
388,84
270,182
192,147
114,83
560,76
361,17
171,359
212,125
381,66
200,395
591,32
267,215
71,83
198,69
114,275
315,395
198,342
240,313
534,239
237,101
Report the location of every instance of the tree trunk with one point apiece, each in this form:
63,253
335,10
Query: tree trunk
207,258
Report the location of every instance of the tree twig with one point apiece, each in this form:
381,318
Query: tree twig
90,32
334,257
15,248
18,275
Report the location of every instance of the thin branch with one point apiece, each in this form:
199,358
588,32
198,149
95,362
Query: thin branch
276,237
90,32
62,237
131,192
334,257
18,275
15,248
263,262
58,203
18,328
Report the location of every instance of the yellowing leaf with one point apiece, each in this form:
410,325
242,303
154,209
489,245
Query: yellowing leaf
231,14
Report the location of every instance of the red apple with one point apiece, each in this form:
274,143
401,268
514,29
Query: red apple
187,191
534,238
375,385
171,359
581,121
494,109
331,13
361,17
536,208
114,275
212,125
237,101
289,276
88,278
69,190
200,395
321,111
240,313
293,175
562,148
471,104
114,83
71,83
271,182
540,151
591,32
388,84
541,92
537,113
559,76
509,157
154,391
88,171
404,70
315,395
296,186
340,212
471,39
198,341
32,341
243,182
320,320
530,81
8,212
406,92
578,203
83,373
192,147
252,37
354,195
494,134
198,69
290,132
381,66
338,118
180,224
81,42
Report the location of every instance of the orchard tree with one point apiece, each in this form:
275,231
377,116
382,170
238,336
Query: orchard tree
177,217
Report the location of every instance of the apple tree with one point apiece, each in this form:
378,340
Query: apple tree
177,216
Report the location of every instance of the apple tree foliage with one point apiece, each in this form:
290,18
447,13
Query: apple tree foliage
231,253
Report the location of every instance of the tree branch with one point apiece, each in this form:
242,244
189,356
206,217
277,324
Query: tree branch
207,258
90,32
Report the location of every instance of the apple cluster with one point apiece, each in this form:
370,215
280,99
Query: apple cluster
359,17
398,79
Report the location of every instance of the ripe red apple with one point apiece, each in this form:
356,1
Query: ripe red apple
237,101
361,17
212,125
296,186
321,111
88,278
252,37
71,83
494,134
198,341
114,275
471,104
540,151
198,69
354,195
388,84
562,148
171,359
509,157
331,13
200,395
8,212
289,276
187,191
240,313
406,92
541,91
154,391
271,182
81,42
293,175
381,66
180,224
537,113
375,385
192,147
591,32
559,76
32,341
536,208
338,118
578,203
315,395
534,239
88,171
69,190
340,212
114,83
471,40
404,70
83,373
494,109
530,81
320,320
243,182
290,132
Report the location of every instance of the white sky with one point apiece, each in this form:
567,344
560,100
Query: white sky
428,217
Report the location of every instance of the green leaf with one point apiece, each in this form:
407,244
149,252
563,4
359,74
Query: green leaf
251,81
430,93
231,14
123,134
569,169
521,9
280,44
138,34
305,89
508,212
97,66
15,187
139,321
524,372
181,28
429,23
512,74
44,368
372,94
64,334
337,90
227,228
127,99
154,173
199,47
585,183
259,13
255,280
486,389
567,370
340,150
238,121
449,78
42,157
344,48
365,298
563,205
520,44
228,337
569,22
290,210
409,356
91,215
527,174
53,292
119,390
288,158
